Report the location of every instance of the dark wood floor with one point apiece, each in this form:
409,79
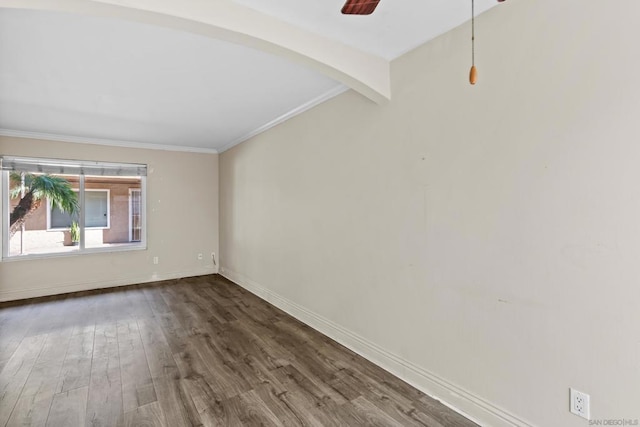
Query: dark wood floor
190,352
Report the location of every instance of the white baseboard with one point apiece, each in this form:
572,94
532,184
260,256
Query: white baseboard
460,400
100,284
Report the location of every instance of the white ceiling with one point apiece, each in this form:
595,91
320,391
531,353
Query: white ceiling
105,80
394,28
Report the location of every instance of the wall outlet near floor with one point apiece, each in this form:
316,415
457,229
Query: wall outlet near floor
155,260
200,257
579,403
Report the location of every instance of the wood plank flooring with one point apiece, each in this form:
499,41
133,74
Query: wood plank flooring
192,352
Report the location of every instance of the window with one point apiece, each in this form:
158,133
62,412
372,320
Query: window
61,206
97,214
59,219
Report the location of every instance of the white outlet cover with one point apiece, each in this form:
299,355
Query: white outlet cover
579,403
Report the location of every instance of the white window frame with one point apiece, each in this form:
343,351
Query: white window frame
49,228
5,205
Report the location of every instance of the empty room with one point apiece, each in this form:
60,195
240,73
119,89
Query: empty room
393,213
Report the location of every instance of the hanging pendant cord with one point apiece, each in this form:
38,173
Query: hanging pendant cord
473,73
473,34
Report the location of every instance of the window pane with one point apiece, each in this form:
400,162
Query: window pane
61,219
107,204
96,208
35,237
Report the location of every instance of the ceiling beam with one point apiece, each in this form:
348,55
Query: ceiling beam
226,20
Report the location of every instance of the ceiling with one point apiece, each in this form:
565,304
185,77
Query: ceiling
113,80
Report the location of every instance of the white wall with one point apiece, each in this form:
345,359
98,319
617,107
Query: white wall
182,221
482,240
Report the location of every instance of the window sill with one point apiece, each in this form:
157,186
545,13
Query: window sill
57,230
76,253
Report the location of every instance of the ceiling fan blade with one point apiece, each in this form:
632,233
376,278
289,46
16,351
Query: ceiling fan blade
359,7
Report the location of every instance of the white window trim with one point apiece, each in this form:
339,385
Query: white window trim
49,228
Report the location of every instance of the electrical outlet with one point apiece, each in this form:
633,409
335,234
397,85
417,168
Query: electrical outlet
155,260
200,257
579,403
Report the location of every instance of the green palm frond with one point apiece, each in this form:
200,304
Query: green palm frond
15,188
57,189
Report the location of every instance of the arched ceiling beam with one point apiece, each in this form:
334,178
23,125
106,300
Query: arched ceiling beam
225,20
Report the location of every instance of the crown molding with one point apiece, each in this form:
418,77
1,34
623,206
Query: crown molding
331,93
288,115
99,141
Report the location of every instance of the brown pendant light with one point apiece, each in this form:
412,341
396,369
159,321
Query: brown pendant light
473,73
